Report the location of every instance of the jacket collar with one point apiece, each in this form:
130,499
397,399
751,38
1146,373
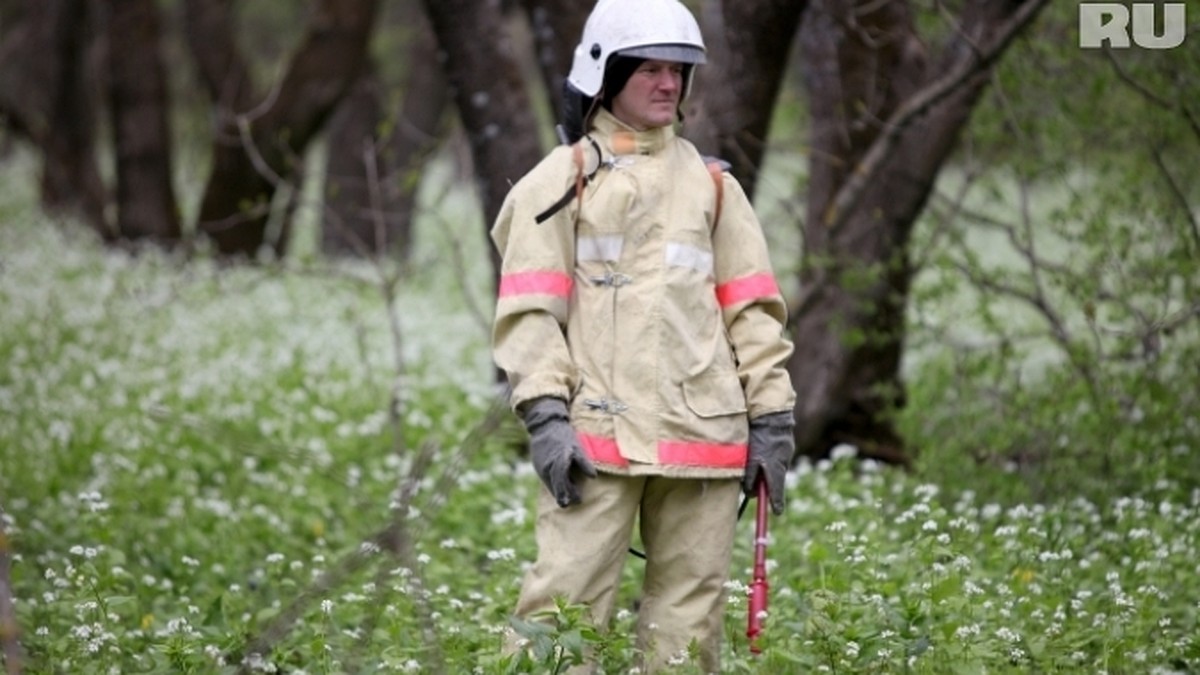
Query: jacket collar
623,139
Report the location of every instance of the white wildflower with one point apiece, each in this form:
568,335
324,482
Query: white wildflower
502,554
1007,634
966,632
843,451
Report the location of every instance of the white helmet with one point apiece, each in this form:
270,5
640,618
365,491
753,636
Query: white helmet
648,29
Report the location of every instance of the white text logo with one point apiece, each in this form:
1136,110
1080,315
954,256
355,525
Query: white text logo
1115,23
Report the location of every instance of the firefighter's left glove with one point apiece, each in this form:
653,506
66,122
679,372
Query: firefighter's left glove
555,449
772,445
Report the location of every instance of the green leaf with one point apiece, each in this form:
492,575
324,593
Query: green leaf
572,641
116,602
215,616
529,629
919,646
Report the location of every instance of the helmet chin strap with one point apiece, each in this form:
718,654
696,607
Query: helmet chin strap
587,118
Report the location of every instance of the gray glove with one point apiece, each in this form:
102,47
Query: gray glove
554,448
771,448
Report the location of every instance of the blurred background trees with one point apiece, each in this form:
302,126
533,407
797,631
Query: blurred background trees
954,187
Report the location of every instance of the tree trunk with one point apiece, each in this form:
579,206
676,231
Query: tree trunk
557,26
490,96
146,207
44,94
259,150
209,29
361,218
416,134
352,222
878,142
736,91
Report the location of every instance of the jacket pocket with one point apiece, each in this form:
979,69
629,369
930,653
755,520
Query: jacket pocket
714,394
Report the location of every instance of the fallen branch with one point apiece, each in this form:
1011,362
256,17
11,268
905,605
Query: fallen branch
394,540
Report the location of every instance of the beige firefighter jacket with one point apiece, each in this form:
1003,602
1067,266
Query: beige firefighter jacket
663,329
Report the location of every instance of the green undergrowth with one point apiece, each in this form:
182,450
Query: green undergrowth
214,469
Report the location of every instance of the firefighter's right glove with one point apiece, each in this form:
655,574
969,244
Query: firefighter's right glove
772,445
555,449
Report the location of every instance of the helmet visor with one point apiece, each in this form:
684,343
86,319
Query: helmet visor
673,53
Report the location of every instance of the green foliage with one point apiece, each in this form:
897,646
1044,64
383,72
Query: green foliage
1053,106
1054,324
197,458
193,454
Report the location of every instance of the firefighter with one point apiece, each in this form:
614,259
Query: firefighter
642,332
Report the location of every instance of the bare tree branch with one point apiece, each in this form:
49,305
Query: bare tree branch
1152,97
1036,296
1181,199
968,68
395,540
944,218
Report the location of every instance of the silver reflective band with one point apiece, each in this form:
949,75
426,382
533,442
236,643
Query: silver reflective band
605,248
683,255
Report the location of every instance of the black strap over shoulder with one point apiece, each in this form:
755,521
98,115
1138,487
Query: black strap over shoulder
556,206
716,166
581,181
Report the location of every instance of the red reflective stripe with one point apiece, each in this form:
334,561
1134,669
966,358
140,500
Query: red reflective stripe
679,453
689,453
529,283
603,450
747,288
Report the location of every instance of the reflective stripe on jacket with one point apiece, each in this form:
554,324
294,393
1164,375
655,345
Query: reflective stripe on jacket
663,329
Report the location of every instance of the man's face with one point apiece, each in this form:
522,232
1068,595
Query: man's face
651,96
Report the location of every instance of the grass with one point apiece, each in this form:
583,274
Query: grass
203,469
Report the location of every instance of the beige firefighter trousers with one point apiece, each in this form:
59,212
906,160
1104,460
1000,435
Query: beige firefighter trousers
687,528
